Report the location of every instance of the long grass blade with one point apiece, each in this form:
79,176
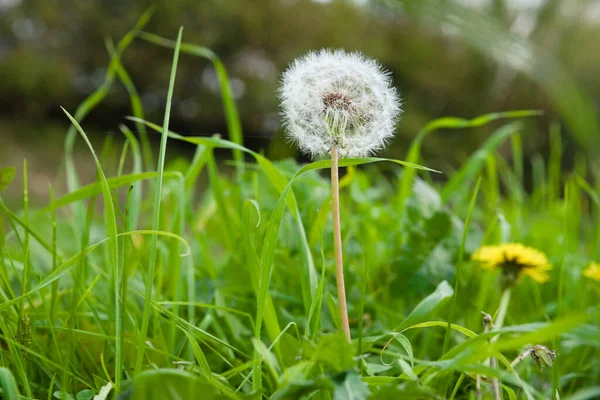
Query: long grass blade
156,214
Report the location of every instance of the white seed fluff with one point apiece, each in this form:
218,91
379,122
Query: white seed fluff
334,97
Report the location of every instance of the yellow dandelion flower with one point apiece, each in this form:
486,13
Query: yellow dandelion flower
593,271
515,261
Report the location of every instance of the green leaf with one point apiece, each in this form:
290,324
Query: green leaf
510,392
62,395
293,384
335,351
350,387
86,394
592,392
407,370
8,384
7,175
425,307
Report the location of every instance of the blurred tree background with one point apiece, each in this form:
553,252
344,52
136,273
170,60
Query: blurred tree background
448,58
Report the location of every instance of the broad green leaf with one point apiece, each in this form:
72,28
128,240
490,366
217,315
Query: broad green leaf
8,384
407,370
510,392
592,392
335,352
350,386
425,307
62,395
86,394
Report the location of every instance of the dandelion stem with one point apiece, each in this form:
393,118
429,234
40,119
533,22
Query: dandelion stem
487,322
499,321
337,242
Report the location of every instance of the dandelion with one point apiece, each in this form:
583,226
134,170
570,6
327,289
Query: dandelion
515,261
338,99
342,104
593,271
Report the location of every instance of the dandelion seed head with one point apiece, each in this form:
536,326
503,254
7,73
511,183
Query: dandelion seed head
334,97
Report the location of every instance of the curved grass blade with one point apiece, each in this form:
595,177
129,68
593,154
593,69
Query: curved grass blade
111,228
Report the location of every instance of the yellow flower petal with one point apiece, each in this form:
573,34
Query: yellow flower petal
593,271
515,258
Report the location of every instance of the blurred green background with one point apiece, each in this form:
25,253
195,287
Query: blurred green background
458,58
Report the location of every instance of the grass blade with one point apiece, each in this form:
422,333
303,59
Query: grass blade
156,214
111,228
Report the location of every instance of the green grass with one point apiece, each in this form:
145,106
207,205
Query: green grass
227,290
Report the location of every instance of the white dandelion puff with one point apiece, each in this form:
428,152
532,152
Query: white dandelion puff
337,98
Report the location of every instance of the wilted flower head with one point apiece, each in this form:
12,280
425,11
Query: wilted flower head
338,98
515,261
593,271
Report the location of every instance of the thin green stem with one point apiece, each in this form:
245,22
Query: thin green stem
498,323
